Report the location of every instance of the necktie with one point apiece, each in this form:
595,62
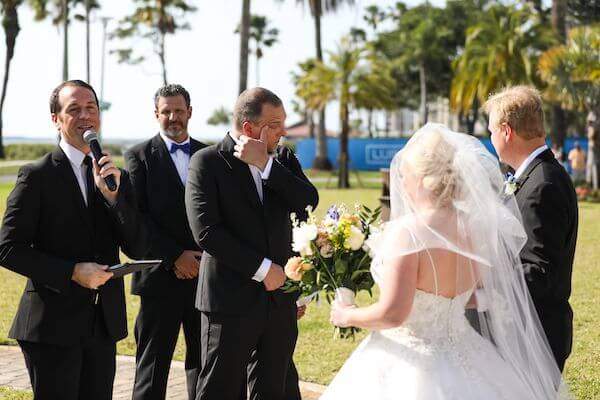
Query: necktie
183,147
89,180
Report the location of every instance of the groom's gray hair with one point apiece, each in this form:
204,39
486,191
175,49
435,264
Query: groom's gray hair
248,106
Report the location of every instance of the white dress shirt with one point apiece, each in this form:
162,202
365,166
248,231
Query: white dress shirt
528,160
76,158
259,176
180,158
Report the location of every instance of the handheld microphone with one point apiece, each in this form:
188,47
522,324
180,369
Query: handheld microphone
92,140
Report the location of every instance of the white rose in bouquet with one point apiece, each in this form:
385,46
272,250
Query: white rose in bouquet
303,235
356,239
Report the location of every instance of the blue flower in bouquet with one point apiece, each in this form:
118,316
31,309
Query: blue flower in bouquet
333,213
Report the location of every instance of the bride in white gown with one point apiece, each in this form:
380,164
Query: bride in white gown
451,249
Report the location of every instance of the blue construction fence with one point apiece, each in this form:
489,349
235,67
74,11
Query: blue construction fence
373,154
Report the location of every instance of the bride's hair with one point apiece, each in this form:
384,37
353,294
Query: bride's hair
431,159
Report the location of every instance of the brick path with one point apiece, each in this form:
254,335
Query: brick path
14,374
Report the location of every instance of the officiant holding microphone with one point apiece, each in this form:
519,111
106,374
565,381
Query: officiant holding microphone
62,229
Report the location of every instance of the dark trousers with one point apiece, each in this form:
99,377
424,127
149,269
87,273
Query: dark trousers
292,385
156,332
84,371
227,346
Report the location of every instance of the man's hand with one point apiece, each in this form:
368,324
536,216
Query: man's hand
108,168
90,275
275,278
300,311
253,151
187,265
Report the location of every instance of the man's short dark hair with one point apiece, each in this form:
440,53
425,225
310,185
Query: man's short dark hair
55,106
248,106
172,90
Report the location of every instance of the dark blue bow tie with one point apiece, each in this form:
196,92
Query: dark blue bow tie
183,147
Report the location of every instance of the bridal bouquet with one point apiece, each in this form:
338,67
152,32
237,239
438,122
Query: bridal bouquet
334,256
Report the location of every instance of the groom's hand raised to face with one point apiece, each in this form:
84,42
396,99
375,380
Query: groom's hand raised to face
275,278
253,151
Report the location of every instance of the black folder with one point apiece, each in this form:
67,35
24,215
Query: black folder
119,270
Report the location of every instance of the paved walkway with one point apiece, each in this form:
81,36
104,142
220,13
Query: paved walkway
14,374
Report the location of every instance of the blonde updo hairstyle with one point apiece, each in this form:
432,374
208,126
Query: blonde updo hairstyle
430,158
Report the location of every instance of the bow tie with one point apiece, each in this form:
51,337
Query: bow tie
183,147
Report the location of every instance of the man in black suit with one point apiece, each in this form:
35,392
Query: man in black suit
239,197
158,169
548,204
62,229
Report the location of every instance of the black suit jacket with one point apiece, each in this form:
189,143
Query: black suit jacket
235,230
160,196
47,229
548,203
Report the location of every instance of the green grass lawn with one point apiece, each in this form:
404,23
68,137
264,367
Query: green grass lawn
318,356
11,394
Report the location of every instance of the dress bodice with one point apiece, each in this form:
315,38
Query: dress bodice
435,318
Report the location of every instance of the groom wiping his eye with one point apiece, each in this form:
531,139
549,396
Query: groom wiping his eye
240,194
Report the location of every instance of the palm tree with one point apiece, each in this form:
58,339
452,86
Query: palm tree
10,24
350,78
423,43
244,39
500,50
317,8
572,71
262,35
153,20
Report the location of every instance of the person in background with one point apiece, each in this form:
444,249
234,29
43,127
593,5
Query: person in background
577,163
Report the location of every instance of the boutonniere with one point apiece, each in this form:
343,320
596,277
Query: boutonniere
511,185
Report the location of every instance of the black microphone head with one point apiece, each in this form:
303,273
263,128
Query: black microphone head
89,136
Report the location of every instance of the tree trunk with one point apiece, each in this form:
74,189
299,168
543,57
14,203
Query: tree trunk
311,123
370,123
321,160
162,57
422,79
559,25
559,14
244,38
88,7
471,117
65,21
559,125
10,24
343,177
257,71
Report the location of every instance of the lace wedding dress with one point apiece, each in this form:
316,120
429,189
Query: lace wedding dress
434,355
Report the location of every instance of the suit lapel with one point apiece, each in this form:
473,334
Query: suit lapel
195,146
241,171
65,173
543,156
162,155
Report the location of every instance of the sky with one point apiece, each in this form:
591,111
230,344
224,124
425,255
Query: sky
205,60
